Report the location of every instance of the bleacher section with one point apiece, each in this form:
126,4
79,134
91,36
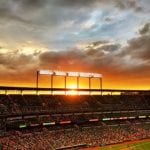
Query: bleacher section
61,121
15,104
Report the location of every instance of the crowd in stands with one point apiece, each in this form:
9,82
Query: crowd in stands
54,108
58,103
55,139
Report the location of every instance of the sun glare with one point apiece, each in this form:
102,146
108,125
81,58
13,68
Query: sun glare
72,86
72,92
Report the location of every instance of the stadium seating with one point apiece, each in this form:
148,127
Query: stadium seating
59,103
62,138
42,122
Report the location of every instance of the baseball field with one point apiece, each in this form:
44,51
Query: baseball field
144,145
134,145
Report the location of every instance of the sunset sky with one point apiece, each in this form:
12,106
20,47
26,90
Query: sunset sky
111,37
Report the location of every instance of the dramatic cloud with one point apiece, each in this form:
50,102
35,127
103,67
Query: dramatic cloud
9,9
139,47
111,37
95,55
98,3
16,63
145,29
31,4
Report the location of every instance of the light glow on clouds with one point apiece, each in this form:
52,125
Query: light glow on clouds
79,35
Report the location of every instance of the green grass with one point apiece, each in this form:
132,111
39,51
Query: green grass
134,146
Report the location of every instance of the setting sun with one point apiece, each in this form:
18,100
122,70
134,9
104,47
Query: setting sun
72,86
72,92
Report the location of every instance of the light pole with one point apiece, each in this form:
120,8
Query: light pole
65,84
101,85
37,81
51,84
90,85
78,84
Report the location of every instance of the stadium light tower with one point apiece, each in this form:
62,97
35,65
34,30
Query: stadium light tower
44,72
61,73
68,74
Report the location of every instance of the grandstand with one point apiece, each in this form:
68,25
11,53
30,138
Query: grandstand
49,121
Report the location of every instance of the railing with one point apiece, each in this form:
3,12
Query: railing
32,90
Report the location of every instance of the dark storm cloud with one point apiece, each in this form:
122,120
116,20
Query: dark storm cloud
145,29
110,47
104,55
69,58
127,4
96,43
31,4
6,15
139,47
17,9
102,46
79,3
95,55
16,62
